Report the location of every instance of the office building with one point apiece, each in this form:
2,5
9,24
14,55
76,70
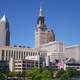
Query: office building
4,32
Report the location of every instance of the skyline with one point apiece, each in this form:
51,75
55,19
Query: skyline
62,16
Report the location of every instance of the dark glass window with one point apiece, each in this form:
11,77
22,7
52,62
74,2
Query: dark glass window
2,54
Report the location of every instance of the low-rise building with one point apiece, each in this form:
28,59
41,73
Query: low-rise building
8,52
55,50
23,64
73,52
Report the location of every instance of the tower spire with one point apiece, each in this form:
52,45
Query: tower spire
40,11
40,19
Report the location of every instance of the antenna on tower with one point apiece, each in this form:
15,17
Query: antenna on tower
41,10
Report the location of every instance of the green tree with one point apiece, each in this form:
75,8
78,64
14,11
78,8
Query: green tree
12,74
72,72
65,76
19,75
46,74
38,74
2,76
60,72
68,74
31,73
43,75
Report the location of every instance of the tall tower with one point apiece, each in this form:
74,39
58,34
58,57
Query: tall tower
4,32
42,33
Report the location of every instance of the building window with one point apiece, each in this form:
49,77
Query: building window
31,53
15,61
16,54
15,65
24,61
15,68
36,53
19,65
22,55
24,65
12,54
19,61
6,55
26,53
19,68
9,55
2,54
19,55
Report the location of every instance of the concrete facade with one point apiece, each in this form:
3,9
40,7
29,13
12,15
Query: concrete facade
55,50
73,52
8,52
58,50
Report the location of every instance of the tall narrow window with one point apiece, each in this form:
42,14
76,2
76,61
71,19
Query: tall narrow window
12,54
6,55
24,54
2,54
19,55
9,55
16,54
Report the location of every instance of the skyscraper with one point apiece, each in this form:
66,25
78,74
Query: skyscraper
4,32
43,34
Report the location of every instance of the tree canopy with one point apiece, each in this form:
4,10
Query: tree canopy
38,74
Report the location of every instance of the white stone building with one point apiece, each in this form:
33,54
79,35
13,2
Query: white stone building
55,50
8,52
73,52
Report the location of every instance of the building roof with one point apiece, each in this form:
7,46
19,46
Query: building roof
3,19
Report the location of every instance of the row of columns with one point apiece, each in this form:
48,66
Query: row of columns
7,54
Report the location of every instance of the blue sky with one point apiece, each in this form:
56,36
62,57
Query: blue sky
63,16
